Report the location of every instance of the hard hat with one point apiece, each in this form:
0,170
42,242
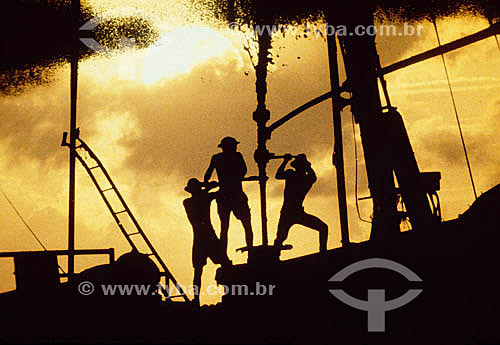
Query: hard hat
192,185
228,141
300,160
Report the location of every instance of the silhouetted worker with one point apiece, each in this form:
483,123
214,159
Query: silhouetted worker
205,244
298,182
231,170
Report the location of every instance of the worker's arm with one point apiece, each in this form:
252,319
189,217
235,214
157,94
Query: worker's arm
210,170
243,166
211,185
213,195
281,173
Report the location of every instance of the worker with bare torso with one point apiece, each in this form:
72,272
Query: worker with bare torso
205,241
231,170
298,182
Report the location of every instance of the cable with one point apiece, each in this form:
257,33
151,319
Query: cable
22,219
456,111
356,173
26,223
342,50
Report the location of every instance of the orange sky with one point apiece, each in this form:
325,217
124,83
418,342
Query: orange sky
154,119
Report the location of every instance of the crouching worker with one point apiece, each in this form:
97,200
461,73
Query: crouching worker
206,244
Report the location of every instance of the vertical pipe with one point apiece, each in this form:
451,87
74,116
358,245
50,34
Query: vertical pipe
261,116
337,132
263,203
72,136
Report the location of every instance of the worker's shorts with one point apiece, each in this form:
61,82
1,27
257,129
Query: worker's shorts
237,202
297,215
208,248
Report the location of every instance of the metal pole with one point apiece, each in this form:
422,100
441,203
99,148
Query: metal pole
263,202
338,157
261,116
72,136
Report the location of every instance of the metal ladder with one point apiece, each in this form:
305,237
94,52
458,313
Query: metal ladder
92,164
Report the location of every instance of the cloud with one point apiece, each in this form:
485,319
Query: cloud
152,138
31,126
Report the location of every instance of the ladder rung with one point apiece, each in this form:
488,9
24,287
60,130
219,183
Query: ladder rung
107,189
94,167
122,211
134,233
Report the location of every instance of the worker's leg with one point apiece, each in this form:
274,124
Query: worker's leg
197,284
284,225
315,223
224,229
199,259
218,254
247,225
224,214
242,212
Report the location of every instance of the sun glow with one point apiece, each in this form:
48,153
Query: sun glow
180,50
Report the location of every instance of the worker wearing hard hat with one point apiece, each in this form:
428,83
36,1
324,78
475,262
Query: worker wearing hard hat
231,169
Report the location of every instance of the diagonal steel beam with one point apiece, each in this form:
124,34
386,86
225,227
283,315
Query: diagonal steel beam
494,29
